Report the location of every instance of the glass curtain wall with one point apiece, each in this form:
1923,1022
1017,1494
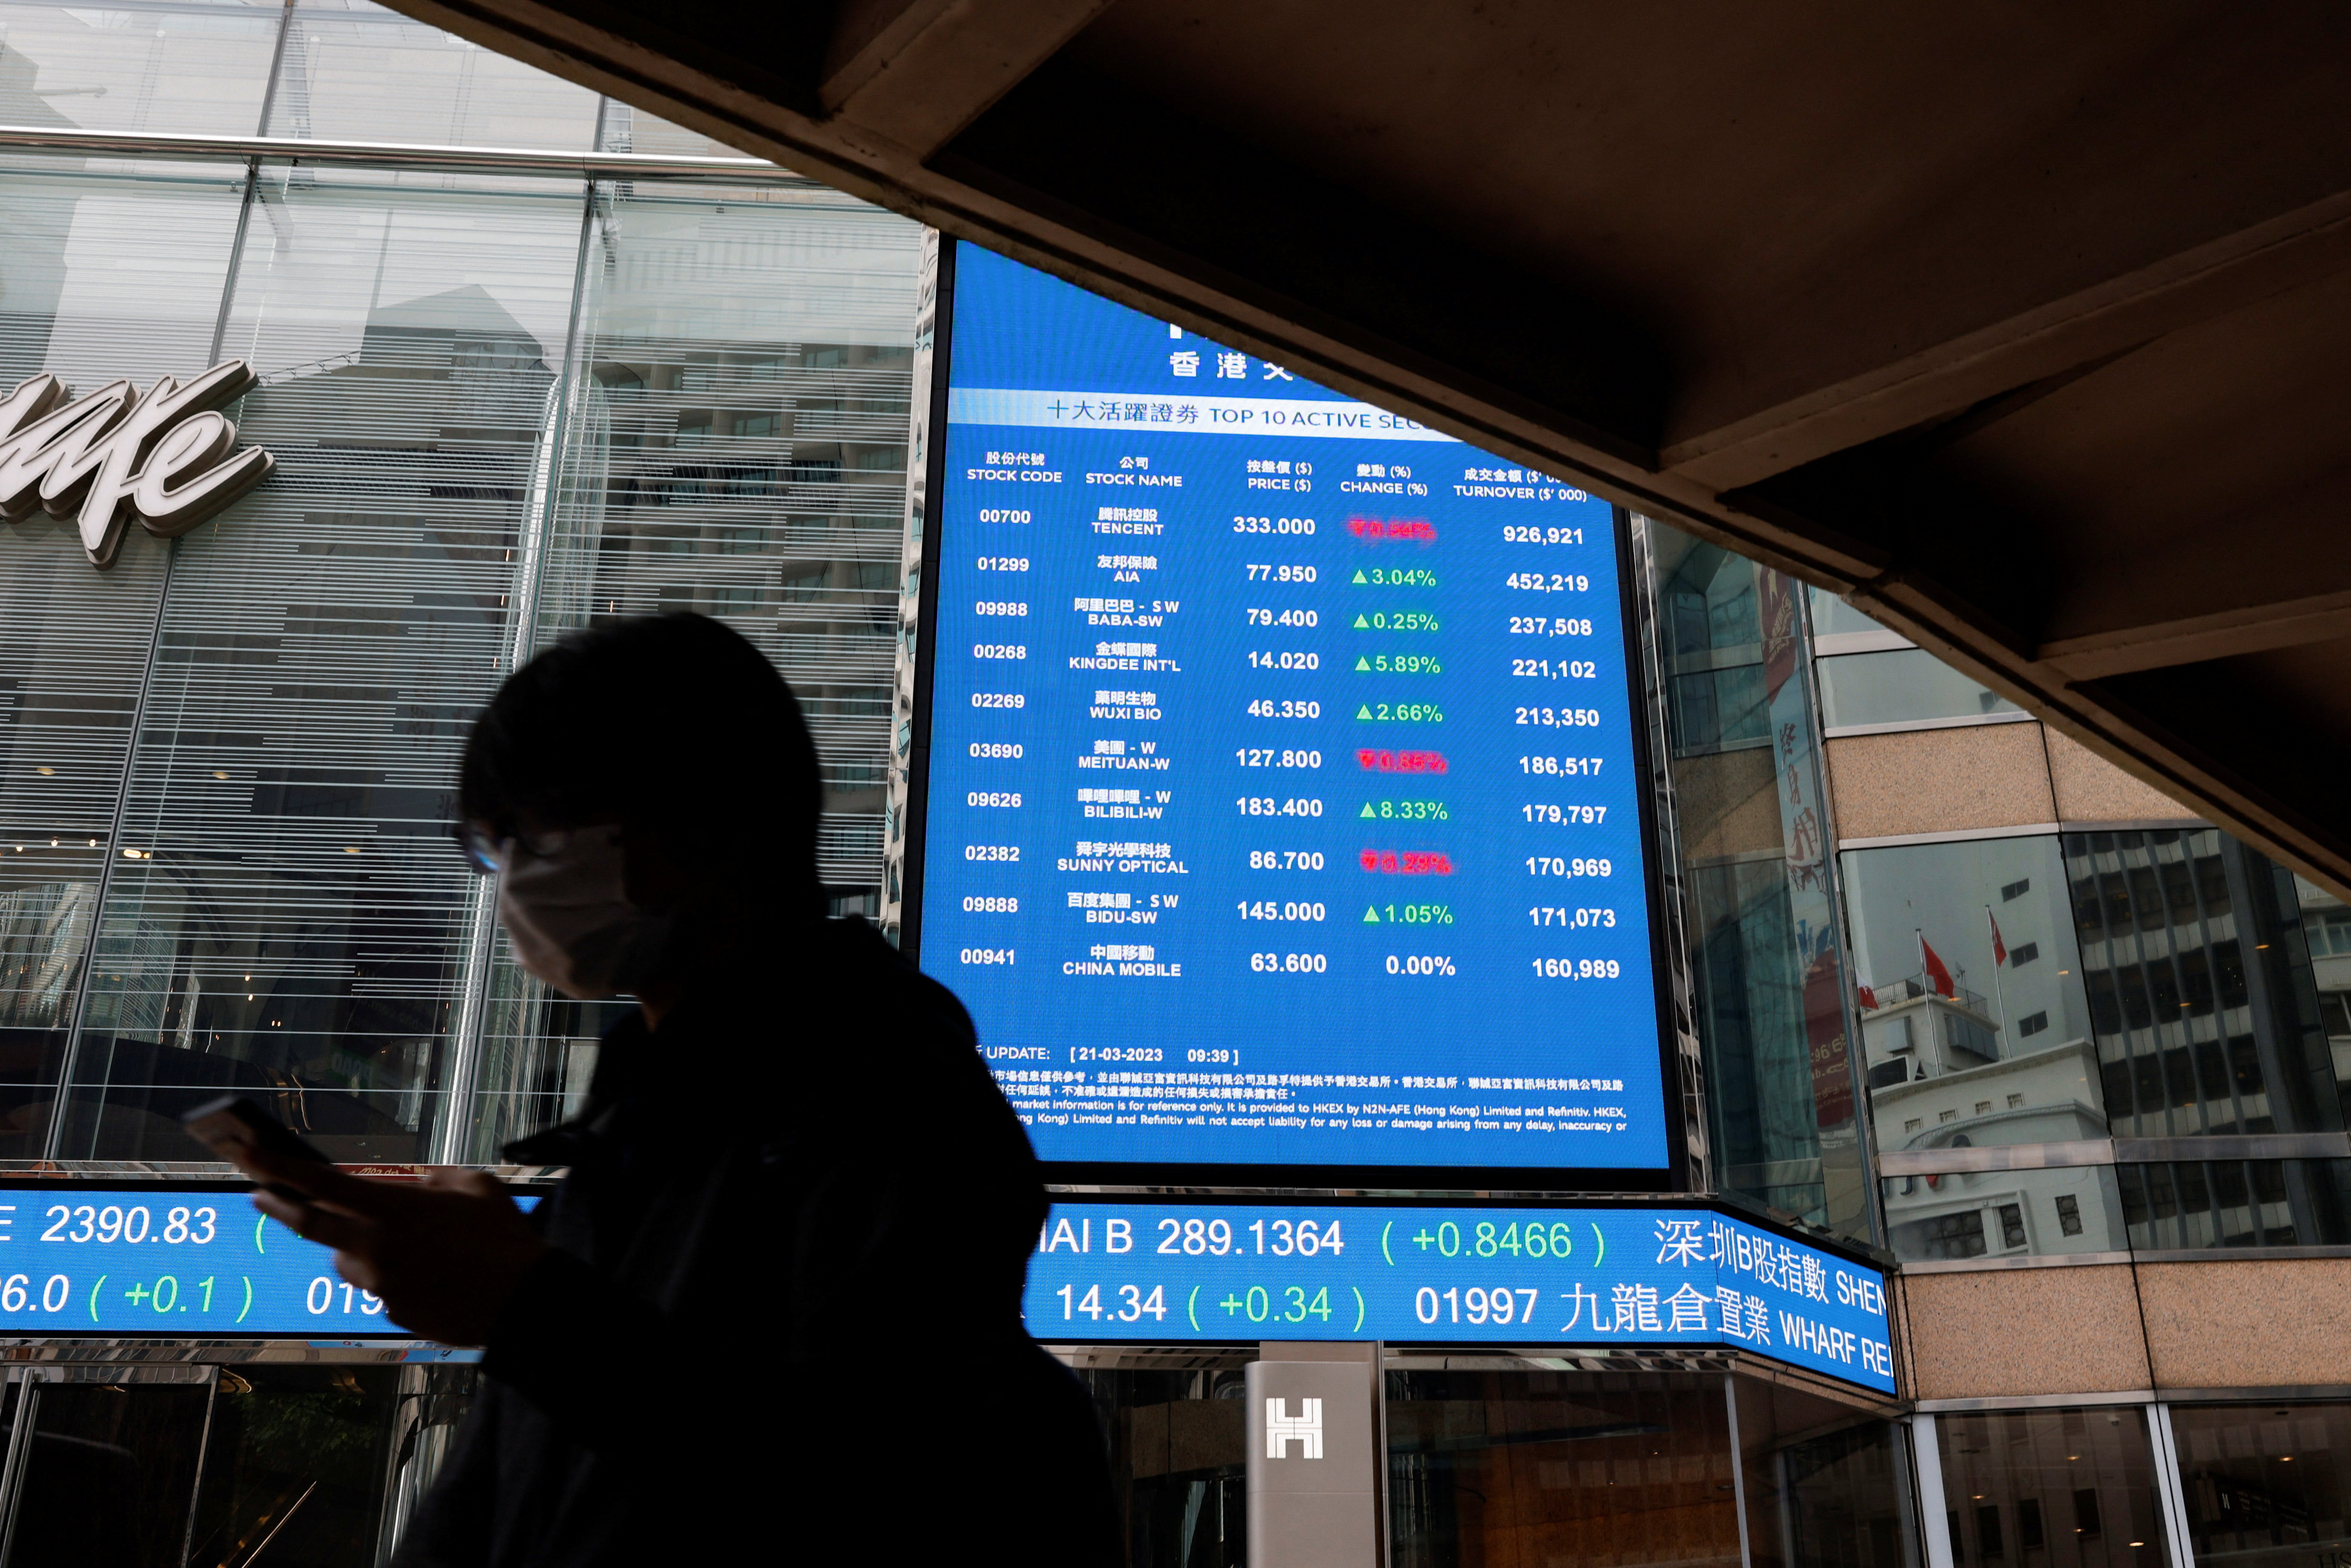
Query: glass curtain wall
109,267
1626,1468
2054,1024
502,405
1178,1459
736,446
2052,1488
142,1466
1757,883
294,916
2121,995
2265,1485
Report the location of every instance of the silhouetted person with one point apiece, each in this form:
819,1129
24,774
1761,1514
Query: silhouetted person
773,1312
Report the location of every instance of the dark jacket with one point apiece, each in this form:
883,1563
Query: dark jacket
781,1319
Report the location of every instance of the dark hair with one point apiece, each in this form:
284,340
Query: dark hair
672,721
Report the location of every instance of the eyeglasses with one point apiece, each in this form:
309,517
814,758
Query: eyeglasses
488,848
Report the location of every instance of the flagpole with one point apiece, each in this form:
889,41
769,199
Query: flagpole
1921,933
1999,990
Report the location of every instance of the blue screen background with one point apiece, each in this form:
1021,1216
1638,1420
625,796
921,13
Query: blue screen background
1133,1006
1587,1278
201,1265
187,1264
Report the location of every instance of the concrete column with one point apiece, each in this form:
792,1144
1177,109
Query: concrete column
1315,1456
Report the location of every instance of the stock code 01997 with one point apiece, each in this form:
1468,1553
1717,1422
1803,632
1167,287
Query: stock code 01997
1589,1276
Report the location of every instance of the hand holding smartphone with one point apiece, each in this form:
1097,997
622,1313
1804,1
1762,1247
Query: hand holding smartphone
235,1126
445,1253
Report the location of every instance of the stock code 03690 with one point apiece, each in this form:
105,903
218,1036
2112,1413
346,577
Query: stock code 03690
1618,1276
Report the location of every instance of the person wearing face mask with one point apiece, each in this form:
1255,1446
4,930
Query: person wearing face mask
774,1308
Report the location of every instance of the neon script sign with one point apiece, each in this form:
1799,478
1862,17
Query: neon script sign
168,457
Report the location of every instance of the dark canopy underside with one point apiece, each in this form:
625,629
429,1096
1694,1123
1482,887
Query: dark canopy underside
2025,326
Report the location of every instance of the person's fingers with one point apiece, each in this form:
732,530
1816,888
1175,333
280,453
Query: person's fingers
318,1181
359,1269
343,1232
469,1183
287,1211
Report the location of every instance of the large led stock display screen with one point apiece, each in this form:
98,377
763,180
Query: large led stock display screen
1279,797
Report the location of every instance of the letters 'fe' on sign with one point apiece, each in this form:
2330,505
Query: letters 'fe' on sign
168,457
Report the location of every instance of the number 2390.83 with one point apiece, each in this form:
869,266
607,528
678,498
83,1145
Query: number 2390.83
134,1224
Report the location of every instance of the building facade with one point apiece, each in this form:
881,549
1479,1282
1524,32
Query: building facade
506,395
2099,1066
1948,990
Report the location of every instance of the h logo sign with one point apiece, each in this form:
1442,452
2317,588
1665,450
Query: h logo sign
1282,1428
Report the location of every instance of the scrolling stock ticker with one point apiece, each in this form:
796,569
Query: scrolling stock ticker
1594,1276
1281,803
190,1264
201,1264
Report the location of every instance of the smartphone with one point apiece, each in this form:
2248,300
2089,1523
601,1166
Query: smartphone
234,1124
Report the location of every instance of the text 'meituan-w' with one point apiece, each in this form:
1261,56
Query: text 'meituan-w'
168,457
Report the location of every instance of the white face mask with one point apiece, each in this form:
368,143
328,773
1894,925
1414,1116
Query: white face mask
568,915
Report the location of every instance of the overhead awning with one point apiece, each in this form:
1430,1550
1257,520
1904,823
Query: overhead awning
2024,327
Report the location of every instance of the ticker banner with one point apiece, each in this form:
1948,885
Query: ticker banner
1588,1279
204,1264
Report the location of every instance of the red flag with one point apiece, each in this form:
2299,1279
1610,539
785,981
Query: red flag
1999,948
1868,998
1937,975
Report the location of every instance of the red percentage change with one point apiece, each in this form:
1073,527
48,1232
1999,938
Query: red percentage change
1408,863
1374,528
1400,761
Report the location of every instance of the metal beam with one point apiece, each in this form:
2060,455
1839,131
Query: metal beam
146,144
2087,326
2195,639
917,71
1954,300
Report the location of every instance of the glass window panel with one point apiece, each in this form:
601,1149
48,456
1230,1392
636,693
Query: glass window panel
185,66
1504,1466
298,923
2326,927
324,1434
1843,1497
1771,1006
1960,1215
1178,1461
2183,1204
1930,1053
626,128
109,276
357,72
110,1473
1904,685
736,446
2267,1486
2209,1011
2088,1477
1833,616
